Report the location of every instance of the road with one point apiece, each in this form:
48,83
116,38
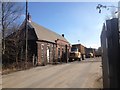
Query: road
84,74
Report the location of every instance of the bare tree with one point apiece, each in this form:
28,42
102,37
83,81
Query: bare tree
113,9
0,15
9,20
0,38
113,13
11,11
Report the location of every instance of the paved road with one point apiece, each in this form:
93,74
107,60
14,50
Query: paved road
82,74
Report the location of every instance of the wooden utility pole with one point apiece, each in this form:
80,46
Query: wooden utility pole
3,30
26,27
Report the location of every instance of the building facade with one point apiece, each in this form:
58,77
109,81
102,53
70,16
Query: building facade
46,46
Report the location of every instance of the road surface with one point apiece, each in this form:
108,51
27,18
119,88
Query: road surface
84,74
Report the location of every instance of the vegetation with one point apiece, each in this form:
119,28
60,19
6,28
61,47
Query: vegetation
9,24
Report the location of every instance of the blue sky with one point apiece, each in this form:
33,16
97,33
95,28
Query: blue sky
77,20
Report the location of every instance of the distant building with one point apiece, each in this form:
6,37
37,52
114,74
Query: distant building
98,52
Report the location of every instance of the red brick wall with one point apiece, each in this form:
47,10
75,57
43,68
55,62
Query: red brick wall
39,52
53,51
62,44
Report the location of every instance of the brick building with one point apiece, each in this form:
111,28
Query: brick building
44,45
50,46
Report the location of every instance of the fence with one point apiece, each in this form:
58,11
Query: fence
110,53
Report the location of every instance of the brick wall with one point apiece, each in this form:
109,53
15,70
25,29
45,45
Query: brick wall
53,51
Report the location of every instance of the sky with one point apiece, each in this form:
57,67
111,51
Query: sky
80,22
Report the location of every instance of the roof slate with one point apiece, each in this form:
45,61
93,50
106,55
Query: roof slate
46,34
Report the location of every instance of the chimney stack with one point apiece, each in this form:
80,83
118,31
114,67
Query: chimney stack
62,35
29,17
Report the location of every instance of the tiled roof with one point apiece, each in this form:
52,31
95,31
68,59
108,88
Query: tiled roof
46,34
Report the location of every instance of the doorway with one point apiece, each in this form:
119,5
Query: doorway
48,55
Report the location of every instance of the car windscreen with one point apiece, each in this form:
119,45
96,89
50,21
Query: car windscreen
74,49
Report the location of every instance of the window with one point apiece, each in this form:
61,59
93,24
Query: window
74,49
58,52
62,51
42,52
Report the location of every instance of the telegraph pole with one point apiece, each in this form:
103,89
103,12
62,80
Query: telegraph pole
26,27
3,29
